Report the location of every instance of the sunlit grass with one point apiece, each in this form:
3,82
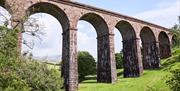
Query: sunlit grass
152,80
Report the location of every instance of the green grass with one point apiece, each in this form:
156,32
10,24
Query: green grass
151,80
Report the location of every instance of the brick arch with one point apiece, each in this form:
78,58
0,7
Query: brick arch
130,60
149,48
146,33
164,45
53,10
97,21
126,29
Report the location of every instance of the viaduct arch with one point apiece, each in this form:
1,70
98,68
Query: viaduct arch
156,40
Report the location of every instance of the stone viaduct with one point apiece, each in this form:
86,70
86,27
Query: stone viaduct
156,40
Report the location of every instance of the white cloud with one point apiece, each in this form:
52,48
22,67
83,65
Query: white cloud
87,38
51,44
4,16
117,41
165,14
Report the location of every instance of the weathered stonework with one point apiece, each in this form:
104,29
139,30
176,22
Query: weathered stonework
151,56
130,63
69,13
104,69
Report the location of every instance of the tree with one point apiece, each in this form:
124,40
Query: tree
19,74
119,60
176,34
86,65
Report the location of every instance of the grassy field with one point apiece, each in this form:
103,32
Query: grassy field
151,80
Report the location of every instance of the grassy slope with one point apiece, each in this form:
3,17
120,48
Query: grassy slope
152,80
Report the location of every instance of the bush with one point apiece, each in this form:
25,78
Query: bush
86,65
12,82
119,60
174,66
174,81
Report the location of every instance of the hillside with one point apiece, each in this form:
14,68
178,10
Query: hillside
152,80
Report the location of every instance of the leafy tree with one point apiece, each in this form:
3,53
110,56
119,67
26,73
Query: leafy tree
86,65
19,74
119,60
176,34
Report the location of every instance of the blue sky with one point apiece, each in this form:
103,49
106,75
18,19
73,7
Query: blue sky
161,12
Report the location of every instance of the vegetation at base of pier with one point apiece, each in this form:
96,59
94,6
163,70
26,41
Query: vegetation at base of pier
119,60
86,65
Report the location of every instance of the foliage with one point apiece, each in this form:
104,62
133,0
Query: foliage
38,76
174,81
10,81
174,67
86,65
19,74
119,60
176,34
8,46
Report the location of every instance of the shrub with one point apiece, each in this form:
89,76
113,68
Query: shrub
10,81
119,60
38,76
174,66
86,65
174,80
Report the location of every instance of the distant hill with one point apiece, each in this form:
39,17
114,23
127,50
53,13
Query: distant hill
50,59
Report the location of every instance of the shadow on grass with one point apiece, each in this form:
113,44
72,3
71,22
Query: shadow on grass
89,79
120,73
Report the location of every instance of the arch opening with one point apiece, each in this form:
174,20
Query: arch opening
62,18
4,17
149,49
45,45
118,52
103,63
164,45
86,44
130,60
